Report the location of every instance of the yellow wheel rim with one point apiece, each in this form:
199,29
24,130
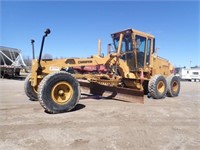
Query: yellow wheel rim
175,86
161,87
62,92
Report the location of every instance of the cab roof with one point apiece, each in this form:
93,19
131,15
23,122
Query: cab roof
133,31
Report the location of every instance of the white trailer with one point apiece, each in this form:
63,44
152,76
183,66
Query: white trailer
11,61
192,74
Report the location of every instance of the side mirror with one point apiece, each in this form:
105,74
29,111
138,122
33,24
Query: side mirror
48,31
33,50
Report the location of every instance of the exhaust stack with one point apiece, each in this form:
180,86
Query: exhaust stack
99,47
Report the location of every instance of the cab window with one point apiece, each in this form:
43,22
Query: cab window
140,47
148,51
126,43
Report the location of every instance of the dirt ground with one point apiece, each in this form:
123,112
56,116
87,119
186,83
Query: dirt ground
168,124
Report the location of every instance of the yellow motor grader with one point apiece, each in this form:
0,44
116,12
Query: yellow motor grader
132,68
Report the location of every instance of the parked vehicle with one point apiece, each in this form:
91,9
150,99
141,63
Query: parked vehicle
131,70
191,74
11,62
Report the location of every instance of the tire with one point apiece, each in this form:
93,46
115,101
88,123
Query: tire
145,87
59,92
157,87
29,90
173,86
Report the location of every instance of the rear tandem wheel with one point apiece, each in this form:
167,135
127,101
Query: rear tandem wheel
59,92
173,86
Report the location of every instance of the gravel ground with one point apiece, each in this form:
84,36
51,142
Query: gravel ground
167,124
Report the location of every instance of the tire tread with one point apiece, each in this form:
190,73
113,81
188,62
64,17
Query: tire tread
169,90
44,83
28,89
152,87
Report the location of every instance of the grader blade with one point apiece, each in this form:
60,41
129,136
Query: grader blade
115,93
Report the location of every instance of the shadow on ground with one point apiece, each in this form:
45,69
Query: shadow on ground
76,108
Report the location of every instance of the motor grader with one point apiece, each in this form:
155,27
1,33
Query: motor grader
132,68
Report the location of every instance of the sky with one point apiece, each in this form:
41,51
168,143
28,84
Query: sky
76,26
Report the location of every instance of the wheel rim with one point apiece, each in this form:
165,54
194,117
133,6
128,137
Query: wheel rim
161,87
175,86
62,92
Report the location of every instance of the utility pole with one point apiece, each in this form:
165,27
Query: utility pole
190,63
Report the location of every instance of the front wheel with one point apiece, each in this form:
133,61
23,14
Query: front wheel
30,91
173,86
59,92
157,87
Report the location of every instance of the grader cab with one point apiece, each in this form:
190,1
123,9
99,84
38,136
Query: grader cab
132,68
